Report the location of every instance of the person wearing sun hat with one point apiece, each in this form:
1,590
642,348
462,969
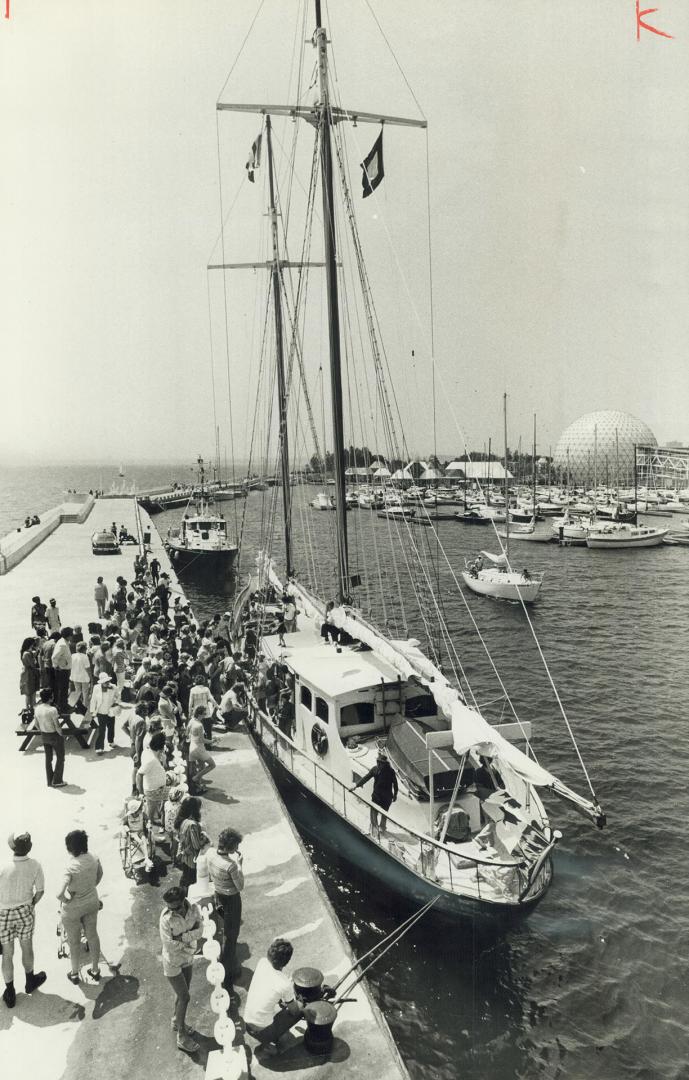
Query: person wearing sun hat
105,701
21,888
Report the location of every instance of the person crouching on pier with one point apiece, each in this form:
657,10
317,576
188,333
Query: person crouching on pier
271,1007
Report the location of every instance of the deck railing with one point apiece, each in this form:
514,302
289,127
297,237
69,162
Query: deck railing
437,862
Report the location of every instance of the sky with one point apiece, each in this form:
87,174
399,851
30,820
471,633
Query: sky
555,169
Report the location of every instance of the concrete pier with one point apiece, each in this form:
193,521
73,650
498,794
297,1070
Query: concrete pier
120,1027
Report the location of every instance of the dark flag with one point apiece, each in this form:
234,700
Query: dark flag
255,158
373,167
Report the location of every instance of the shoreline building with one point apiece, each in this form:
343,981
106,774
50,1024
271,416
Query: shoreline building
599,449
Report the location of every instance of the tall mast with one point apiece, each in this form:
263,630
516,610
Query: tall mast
323,116
507,497
533,470
325,123
280,358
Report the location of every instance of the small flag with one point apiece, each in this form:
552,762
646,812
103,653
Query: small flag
255,158
355,581
373,167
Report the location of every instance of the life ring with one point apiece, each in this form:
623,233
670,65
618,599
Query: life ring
319,740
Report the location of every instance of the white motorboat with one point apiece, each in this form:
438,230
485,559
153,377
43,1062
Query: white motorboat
323,501
397,513
624,535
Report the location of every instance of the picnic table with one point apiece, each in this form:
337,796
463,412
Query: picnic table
71,723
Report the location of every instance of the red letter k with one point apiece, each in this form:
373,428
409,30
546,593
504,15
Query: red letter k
641,25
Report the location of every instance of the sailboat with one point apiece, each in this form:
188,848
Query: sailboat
469,829
497,579
528,531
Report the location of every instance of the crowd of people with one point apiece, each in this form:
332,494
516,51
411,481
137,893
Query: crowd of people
170,684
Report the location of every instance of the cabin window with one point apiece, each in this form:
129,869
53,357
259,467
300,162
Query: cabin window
322,710
305,697
422,705
359,712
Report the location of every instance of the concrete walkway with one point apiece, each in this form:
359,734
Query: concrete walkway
120,1027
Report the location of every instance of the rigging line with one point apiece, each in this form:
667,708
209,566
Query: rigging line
241,49
533,633
296,127
380,344
259,379
432,331
240,188
360,415
299,301
426,579
409,925
377,344
394,56
210,340
559,701
227,328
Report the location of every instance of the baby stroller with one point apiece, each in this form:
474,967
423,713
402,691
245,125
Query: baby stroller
137,843
63,952
62,943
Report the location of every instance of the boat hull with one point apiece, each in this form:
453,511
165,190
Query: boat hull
185,558
502,590
321,821
601,540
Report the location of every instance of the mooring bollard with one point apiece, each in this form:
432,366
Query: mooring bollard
320,1017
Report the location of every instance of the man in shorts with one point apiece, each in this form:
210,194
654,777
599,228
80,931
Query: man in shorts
180,929
200,761
21,887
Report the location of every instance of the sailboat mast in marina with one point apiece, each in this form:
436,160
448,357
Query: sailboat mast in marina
498,580
360,703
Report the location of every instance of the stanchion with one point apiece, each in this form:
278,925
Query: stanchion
229,1063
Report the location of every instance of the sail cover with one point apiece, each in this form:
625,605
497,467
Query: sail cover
471,732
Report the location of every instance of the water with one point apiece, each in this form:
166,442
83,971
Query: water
594,983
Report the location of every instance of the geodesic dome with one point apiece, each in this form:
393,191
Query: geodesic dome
596,443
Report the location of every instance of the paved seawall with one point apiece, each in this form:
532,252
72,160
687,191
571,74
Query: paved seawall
121,1027
18,544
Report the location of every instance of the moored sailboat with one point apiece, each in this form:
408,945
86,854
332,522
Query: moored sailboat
498,579
468,827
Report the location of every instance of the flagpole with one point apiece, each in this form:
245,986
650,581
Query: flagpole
333,308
